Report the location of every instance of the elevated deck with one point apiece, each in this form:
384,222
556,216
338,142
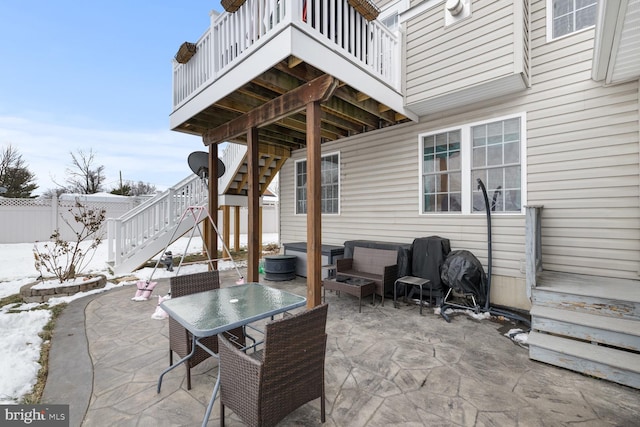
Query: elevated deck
268,48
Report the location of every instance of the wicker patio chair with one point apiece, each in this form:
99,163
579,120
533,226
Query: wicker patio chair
180,340
264,387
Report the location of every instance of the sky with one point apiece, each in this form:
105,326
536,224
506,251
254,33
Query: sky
96,76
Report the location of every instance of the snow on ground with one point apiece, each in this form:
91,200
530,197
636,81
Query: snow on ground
20,325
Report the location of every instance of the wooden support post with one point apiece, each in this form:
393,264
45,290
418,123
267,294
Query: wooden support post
206,231
314,213
253,199
260,233
212,238
226,217
319,89
236,228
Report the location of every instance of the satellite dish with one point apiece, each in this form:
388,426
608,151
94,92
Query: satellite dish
199,164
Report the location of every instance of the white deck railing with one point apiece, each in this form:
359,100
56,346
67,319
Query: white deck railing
233,36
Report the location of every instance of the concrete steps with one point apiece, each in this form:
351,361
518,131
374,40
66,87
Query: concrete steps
587,324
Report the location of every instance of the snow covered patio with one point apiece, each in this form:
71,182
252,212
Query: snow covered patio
384,366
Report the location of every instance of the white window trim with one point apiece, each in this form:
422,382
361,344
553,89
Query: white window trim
397,7
465,165
295,195
549,13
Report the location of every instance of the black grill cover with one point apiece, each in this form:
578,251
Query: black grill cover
429,253
463,273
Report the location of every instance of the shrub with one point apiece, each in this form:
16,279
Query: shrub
65,260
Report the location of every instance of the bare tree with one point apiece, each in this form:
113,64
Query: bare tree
15,177
83,176
142,189
50,193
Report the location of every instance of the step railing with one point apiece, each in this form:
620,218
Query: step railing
132,231
335,23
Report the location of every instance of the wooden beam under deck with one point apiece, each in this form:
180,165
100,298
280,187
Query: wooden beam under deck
308,97
291,102
291,106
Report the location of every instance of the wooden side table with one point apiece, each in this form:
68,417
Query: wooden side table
412,281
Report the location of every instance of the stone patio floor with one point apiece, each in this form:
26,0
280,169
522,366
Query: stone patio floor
384,366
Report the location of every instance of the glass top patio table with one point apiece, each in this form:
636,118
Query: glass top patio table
212,312
219,310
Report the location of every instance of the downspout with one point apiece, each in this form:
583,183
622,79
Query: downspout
489,248
487,305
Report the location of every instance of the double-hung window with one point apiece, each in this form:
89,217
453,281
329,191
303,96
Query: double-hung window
568,16
441,178
496,156
453,160
329,184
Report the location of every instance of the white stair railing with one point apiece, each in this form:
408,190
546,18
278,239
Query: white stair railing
144,231
130,234
233,158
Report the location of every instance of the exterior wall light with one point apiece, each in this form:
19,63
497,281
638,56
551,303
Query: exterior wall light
456,10
454,7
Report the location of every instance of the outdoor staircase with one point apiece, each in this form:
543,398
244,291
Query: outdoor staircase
149,228
271,159
587,324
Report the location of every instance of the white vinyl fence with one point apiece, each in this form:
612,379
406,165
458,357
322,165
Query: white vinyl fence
31,220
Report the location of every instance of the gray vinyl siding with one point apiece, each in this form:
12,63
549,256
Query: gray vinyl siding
582,164
583,161
488,46
380,201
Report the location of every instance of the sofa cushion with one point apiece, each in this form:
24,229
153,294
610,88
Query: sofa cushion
403,260
369,260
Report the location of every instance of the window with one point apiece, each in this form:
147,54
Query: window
454,159
391,21
329,184
568,16
390,14
496,161
441,172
